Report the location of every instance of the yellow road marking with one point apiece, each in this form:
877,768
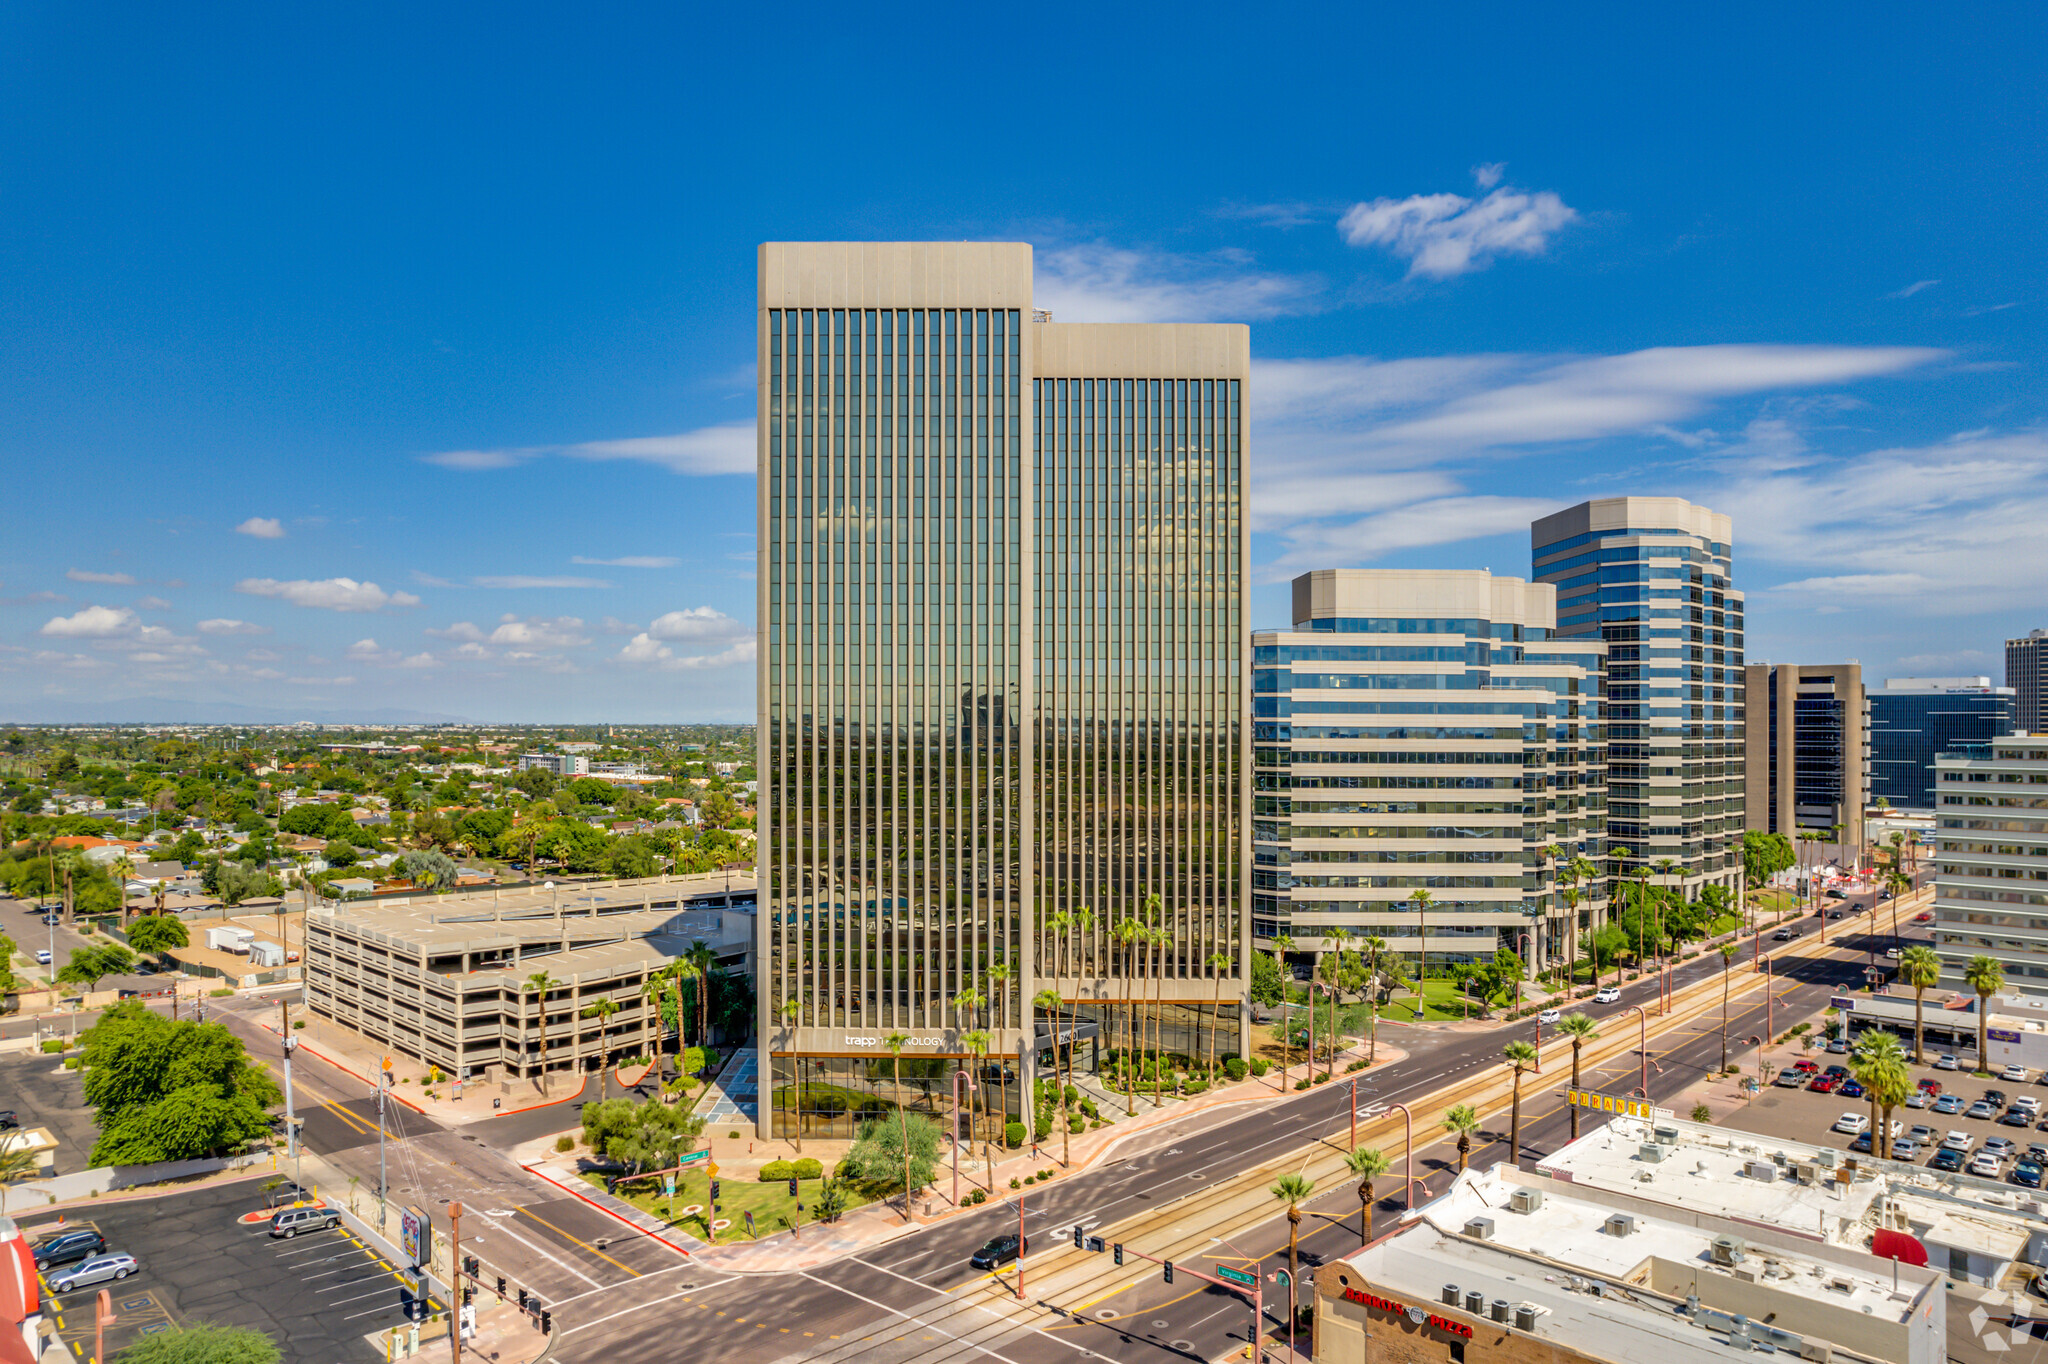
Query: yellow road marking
1156,1307
587,1246
1110,1294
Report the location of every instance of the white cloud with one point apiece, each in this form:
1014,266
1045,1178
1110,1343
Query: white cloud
152,604
696,622
224,626
1102,283
519,580
321,681
419,660
630,561
328,594
1913,288
724,449
262,527
368,650
1445,235
645,649
1488,175
1415,525
460,630
473,651
81,575
540,632
93,622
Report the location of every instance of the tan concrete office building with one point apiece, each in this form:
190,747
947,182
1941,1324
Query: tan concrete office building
1807,749
1001,634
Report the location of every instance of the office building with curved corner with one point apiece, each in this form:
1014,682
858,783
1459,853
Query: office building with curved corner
1652,577
1003,702
1424,732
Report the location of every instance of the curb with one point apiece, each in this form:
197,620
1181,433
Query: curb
539,1173
392,1090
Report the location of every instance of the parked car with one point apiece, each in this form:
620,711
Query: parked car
1838,1072
289,1222
42,956
1948,1104
98,1269
1861,1146
1919,1098
2016,1117
1000,1250
2014,1074
2037,1151
1926,917
1947,1160
1982,1110
1607,994
2028,1102
1985,1167
1891,954
9,1120
1550,1015
1852,1122
1958,1141
1824,1085
1806,1064
2026,1174
1947,1061
1995,1096
2002,1147
1930,1084
1921,1132
1789,1079
1905,1148
1839,1046
1850,1089
67,1246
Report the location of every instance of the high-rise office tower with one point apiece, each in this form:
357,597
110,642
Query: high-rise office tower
1424,733
1913,720
2025,661
1004,715
1807,736
1651,576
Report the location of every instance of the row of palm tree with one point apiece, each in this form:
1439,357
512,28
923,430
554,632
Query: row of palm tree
693,965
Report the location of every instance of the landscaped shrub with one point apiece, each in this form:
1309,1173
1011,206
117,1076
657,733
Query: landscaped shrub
808,1169
565,1142
1355,1066
1088,1107
1076,1123
775,1171
1013,1135
1702,1113
1014,1184
1301,1084
53,1044
1235,1067
1259,1066
1195,1087
1073,1096
1323,1078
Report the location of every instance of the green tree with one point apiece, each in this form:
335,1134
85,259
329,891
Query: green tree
976,1043
1728,951
541,983
1984,975
16,1162
1266,980
1920,968
602,1010
1293,1190
1282,945
895,1042
886,1155
1368,1163
1422,900
1581,1030
158,934
645,1135
429,870
339,852
1048,1002
1879,1065
88,965
1520,1056
170,1091
1462,1119
201,1343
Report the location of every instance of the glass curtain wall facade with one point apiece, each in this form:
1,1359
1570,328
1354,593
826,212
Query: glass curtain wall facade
1912,722
2026,663
1000,582
1652,577
1427,732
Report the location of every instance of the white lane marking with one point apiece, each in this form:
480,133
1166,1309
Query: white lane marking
560,1303
920,1321
499,1226
628,1311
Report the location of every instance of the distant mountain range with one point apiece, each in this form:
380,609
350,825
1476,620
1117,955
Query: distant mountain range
166,710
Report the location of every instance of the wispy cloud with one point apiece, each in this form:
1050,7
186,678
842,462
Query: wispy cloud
262,528
1913,288
83,575
1096,282
328,594
696,622
224,626
1445,235
629,561
708,450
523,580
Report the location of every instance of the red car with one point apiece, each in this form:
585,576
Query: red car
1806,1067
1932,1087
1926,918
1825,1084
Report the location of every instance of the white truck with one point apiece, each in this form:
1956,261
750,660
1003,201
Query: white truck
229,939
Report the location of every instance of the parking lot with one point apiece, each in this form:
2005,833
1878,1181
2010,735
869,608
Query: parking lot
1805,1115
41,1093
317,1295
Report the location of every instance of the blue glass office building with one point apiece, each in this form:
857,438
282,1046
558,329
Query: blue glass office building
1915,720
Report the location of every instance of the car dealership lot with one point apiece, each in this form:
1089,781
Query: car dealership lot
317,1295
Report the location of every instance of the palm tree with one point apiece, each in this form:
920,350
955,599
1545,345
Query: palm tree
69,863
1368,1163
602,1010
999,977
123,867
1582,1031
17,1161
540,983
1048,1002
1898,883
1282,945
1422,900
1160,939
895,1042
1879,1065
530,824
1084,936
1293,1190
1728,951
651,986
1126,933
1375,948
680,970
703,956
792,1010
1520,1056
1059,924
1462,1119
1668,868
1920,968
977,1046
1218,963
1984,975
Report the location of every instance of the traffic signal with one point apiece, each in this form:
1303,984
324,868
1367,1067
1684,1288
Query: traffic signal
1169,1271
522,1300
1077,1238
470,1265
547,1322
468,1296
1118,1248
792,1187
714,1191
1097,1244
501,1288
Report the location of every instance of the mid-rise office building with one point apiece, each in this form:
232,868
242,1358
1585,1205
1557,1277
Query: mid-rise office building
1991,861
1003,700
1913,720
1652,577
561,764
2025,662
1425,731
1808,750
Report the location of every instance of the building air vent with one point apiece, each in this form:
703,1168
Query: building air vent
1761,1169
1480,1228
1667,1135
1526,1200
1652,1152
1525,1317
1620,1224
1501,1309
1450,1295
1475,1301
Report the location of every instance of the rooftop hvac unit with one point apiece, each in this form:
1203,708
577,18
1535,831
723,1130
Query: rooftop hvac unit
1652,1152
1475,1301
1450,1295
1526,1200
1667,1135
1825,1158
1761,1169
1620,1224
1806,1172
1501,1309
1480,1228
1729,1250
1525,1317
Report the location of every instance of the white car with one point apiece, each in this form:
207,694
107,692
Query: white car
1852,1124
1945,1061
1905,1148
1550,1015
2015,1073
2027,1103
1958,1141
1985,1166
42,956
1607,994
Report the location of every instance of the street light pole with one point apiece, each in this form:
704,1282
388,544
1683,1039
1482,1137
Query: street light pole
383,1083
1643,1018
1408,1142
291,1131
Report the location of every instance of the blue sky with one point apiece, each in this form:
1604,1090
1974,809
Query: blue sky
381,357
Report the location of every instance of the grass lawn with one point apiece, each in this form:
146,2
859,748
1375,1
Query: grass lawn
1442,1001
1723,925
770,1203
1775,901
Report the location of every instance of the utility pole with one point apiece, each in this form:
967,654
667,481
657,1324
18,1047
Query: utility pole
383,1083
291,1128
455,1282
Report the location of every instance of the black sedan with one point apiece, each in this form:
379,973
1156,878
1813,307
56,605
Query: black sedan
2016,1117
1000,1250
2026,1174
1946,1160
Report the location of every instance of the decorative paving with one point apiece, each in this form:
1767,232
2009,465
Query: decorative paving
731,1097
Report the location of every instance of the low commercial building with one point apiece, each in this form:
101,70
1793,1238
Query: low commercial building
561,764
447,979
1991,862
1914,720
1510,1266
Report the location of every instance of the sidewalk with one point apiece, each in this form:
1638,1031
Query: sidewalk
412,1084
